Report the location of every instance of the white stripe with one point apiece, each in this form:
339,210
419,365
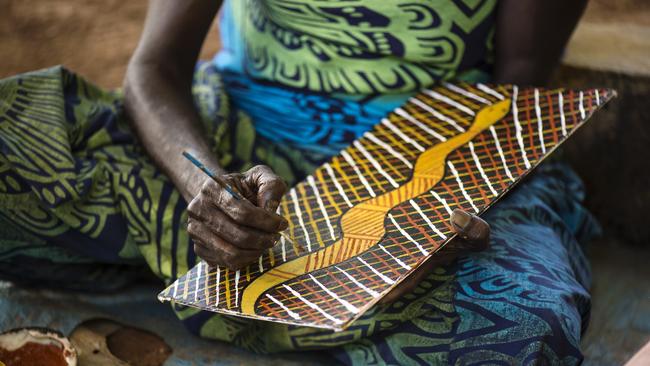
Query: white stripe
205,286
562,118
260,265
540,126
436,114
291,313
313,306
402,264
597,96
284,251
384,278
583,114
466,93
399,133
405,114
442,200
426,219
480,169
236,287
388,148
460,184
370,291
407,236
354,166
196,287
294,198
338,186
449,101
503,158
486,89
312,183
518,129
374,163
175,289
216,302
351,308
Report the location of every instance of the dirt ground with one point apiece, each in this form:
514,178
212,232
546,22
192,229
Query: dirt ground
95,38
613,36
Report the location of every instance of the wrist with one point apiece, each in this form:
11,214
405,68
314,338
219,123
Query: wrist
188,178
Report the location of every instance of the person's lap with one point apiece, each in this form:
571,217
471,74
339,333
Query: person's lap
76,190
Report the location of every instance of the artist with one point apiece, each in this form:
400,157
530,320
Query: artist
294,83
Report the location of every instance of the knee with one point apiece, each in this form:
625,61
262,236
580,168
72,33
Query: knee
518,333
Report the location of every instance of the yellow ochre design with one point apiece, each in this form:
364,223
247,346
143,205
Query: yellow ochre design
363,225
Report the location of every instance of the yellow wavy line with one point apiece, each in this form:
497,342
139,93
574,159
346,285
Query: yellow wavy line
364,223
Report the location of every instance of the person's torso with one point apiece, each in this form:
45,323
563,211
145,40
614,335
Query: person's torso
357,46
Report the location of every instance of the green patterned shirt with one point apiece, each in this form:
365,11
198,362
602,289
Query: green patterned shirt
357,46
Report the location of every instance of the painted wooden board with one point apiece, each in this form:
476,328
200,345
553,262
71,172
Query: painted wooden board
368,218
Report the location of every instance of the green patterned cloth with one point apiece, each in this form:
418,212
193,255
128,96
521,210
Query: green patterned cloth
357,46
72,174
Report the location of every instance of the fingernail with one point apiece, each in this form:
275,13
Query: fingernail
460,219
284,224
274,240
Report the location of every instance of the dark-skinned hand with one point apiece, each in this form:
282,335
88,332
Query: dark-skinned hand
233,233
473,235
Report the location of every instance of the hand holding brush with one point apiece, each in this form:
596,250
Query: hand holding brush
232,220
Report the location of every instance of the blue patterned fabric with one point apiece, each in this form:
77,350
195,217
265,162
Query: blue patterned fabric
525,300
308,121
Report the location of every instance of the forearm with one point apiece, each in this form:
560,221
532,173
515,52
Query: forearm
531,36
157,89
159,103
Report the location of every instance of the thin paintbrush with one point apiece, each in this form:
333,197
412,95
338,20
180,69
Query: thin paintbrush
233,192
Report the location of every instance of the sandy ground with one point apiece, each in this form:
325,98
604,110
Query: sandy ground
95,38
614,36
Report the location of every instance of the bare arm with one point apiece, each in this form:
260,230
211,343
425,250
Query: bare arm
158,100
531,36
158,88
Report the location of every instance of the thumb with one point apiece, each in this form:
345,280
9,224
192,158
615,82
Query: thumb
473,230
